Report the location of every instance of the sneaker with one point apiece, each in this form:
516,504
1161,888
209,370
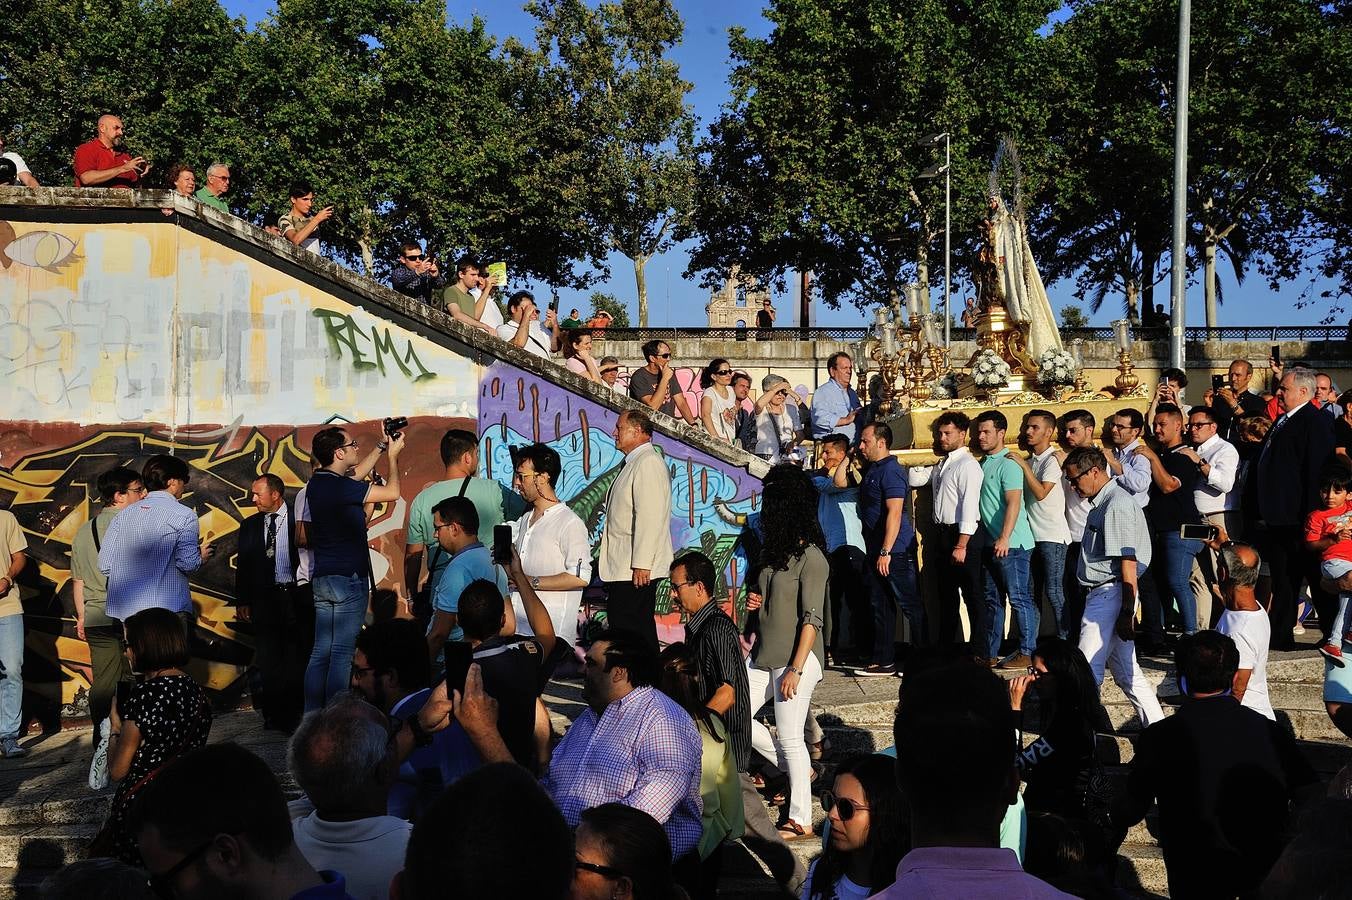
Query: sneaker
875,670
1015,661
1332,654
1299,629
10,748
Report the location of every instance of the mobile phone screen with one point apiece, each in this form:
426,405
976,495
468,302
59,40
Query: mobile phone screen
459,656
502,544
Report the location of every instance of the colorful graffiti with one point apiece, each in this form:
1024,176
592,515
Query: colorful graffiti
120,341
517,408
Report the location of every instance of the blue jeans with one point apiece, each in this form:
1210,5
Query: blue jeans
1051,556
1174,578
11,667
1008,575
899,588
340,610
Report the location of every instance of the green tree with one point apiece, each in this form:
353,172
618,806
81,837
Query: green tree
816,162
619,313
163,66
1073,317
622,92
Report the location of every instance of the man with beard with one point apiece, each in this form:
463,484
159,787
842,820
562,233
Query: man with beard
98,162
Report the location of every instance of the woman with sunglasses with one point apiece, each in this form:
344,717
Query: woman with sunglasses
621,853
789,598
1058,766
718,405
869,832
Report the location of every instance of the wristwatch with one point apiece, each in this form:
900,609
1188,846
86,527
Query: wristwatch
795,670
886,551
535,582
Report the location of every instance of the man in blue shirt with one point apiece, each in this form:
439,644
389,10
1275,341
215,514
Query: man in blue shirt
889,541
838,512
336,533
455,523
835,405
153,546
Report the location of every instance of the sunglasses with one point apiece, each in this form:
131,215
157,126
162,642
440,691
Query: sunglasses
663,355
723,372
844,807
419,256
609,369
162,885
609,872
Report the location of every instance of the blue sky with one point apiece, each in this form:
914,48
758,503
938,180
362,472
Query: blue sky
703,58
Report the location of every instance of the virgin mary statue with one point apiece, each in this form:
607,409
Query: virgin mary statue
1012,279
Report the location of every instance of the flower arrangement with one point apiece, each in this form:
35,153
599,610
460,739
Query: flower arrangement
1056,367
989,370
945,387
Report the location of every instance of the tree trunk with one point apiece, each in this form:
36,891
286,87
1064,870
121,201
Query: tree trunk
922,263
1133,300
641,282
1209,276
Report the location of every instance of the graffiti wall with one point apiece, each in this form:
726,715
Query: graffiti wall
517,408
120,341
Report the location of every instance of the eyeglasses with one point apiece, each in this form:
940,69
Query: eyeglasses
609,872
414,258
1075,479
437,527
1036,672
350,444
162,885
845,807
1117,427
723,372
663,355
526,474
1199,424
362,671
676,586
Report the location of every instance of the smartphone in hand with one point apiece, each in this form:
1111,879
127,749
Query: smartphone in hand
502,544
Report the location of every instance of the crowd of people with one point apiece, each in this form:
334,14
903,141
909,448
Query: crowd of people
425,754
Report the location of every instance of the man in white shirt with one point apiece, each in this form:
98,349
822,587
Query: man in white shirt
22,174
524,330
1045,496
1246,622
1131,470
956,555
1214,496
1077,430
343,759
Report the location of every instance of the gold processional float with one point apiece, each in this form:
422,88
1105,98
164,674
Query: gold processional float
1020,363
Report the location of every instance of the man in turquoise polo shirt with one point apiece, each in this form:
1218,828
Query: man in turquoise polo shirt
1006,557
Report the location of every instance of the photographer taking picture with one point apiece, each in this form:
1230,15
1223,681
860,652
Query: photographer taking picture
417,274
298,226
336,533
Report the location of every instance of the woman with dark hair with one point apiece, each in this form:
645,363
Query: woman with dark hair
869,832
789,598
577,355
622,854
718,405
181,180
165,715
1058,766
719,785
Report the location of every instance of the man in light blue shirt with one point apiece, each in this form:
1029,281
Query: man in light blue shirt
838,512
1131,469
835,405
455,524
153,546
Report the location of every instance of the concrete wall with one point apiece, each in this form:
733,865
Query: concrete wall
125,333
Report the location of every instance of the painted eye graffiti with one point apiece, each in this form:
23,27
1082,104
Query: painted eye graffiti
41,250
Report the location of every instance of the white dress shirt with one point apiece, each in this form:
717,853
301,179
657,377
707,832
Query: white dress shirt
557,543
306,557
1048,515
956,483
1216,492
1135,478
282,573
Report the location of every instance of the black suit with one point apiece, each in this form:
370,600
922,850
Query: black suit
283,621
1225,416
1282,489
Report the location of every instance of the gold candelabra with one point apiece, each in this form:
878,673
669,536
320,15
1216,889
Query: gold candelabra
1126,378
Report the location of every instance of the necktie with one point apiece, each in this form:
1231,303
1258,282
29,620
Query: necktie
272,535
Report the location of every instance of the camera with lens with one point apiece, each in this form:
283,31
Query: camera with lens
395,425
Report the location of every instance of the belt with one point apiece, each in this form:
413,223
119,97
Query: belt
284,586
1095,587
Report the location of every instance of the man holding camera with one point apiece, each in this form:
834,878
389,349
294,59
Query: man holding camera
98,162
336,532
417,274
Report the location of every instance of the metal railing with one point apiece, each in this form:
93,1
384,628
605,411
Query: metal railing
1197,334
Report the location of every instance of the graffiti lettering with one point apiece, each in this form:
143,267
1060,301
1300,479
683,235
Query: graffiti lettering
344,333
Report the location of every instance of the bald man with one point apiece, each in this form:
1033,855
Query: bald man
99,162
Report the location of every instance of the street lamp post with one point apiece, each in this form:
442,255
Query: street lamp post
1177,274
932,172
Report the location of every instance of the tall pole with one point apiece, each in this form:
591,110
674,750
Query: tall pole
948,250
1177,273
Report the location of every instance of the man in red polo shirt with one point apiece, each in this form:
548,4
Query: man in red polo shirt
97,164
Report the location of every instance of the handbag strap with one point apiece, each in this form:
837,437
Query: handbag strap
94,529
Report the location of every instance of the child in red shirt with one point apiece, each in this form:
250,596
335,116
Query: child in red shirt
1328,532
